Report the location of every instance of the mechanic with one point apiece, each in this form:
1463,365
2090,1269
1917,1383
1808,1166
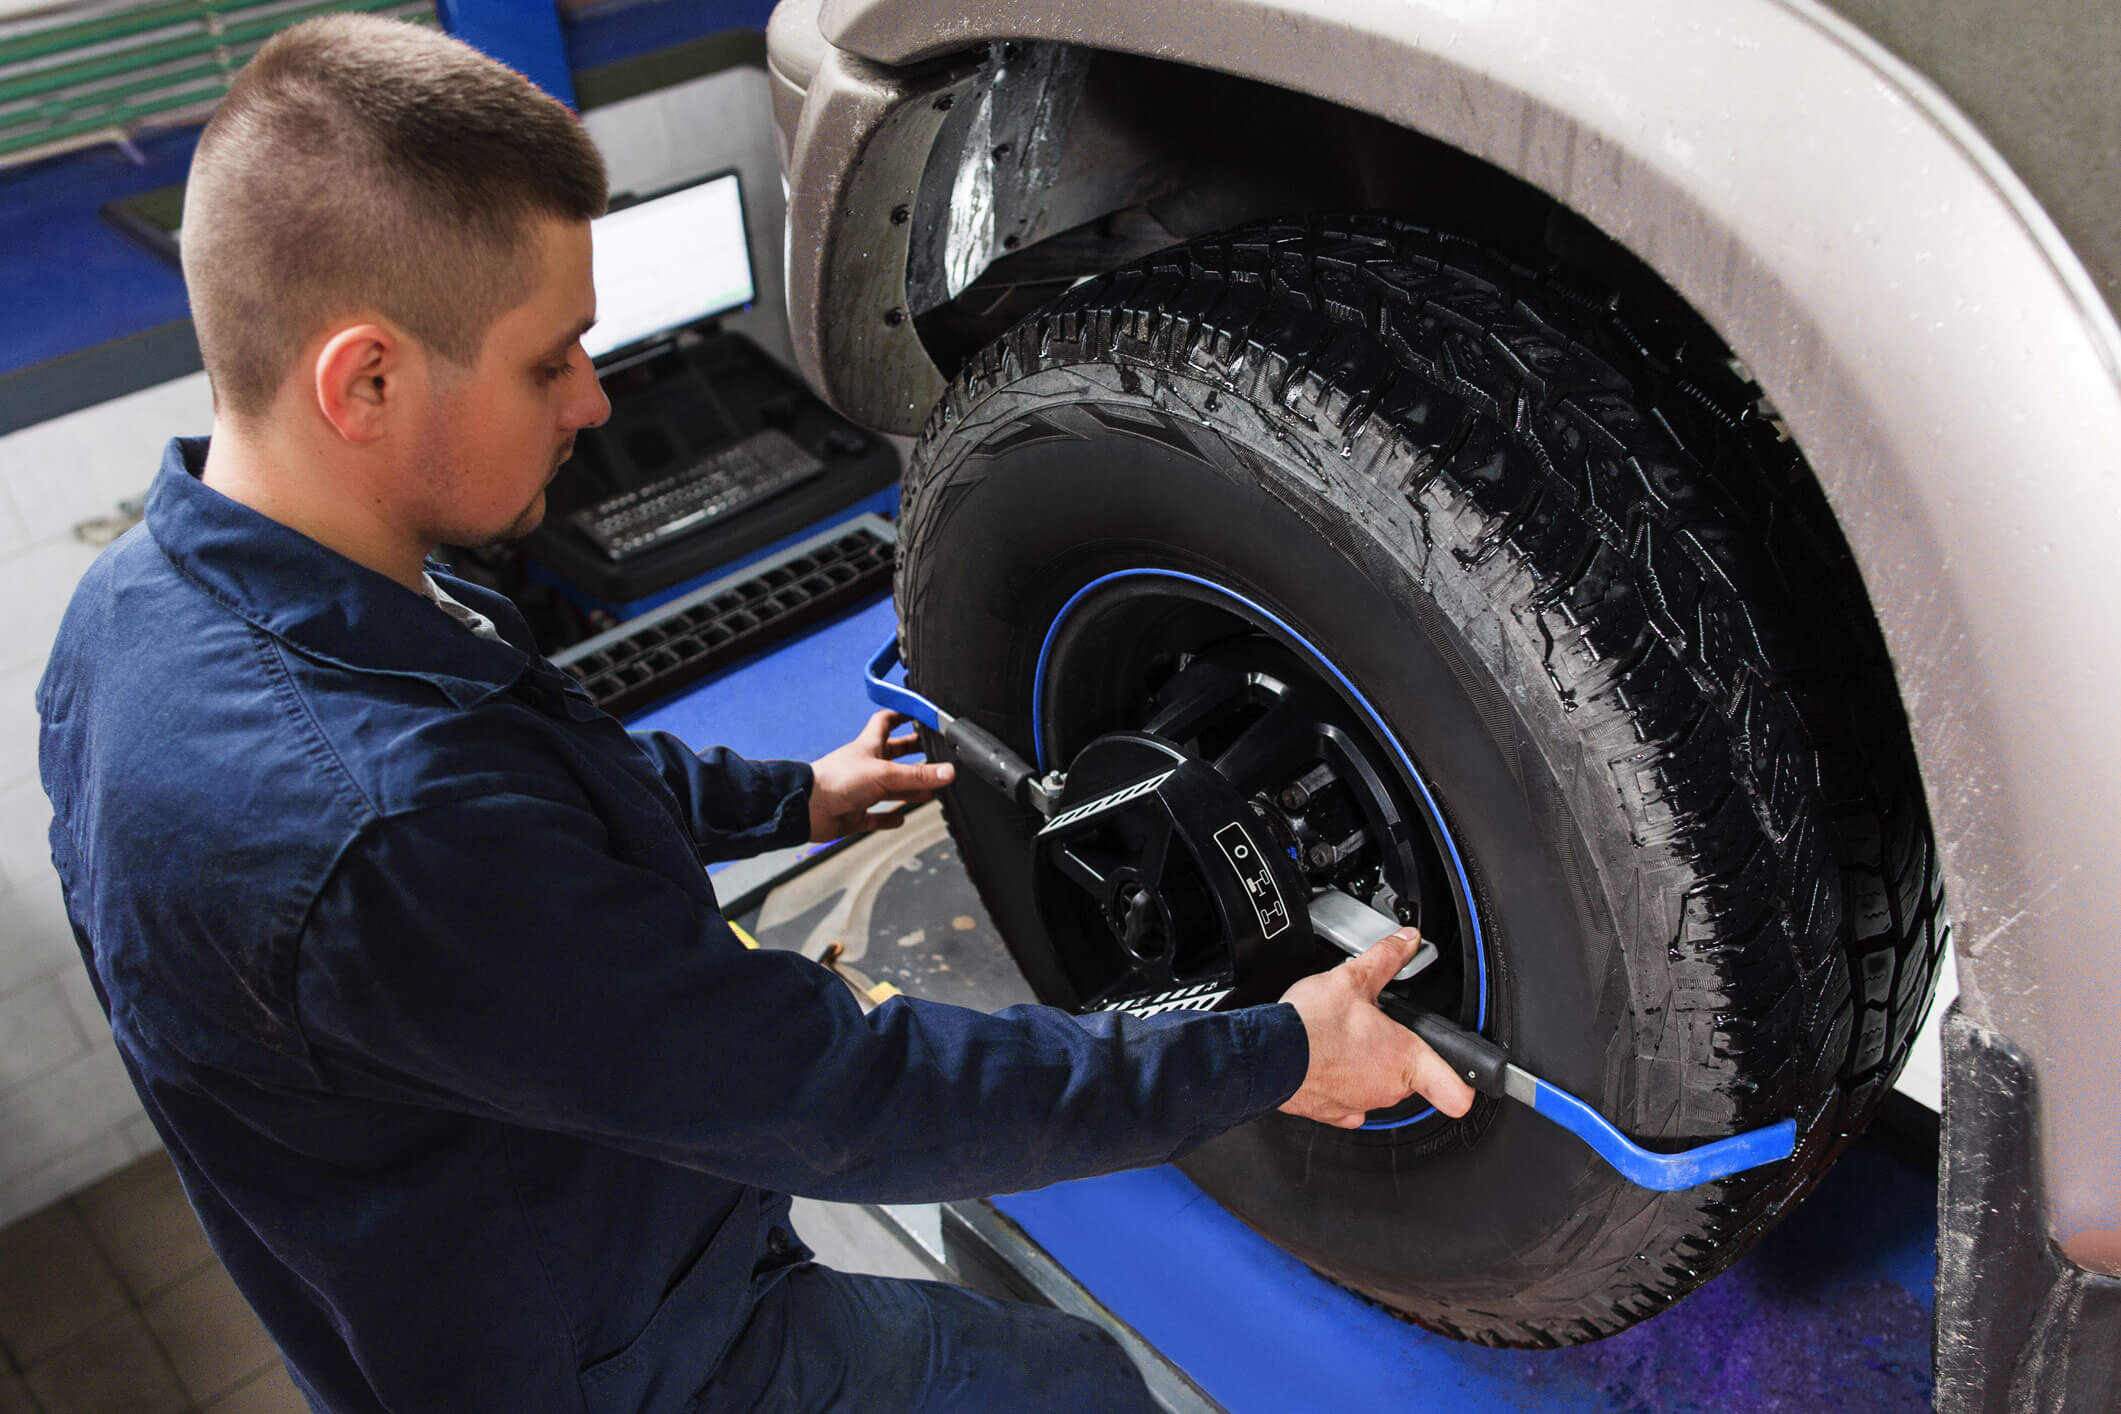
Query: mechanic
409,948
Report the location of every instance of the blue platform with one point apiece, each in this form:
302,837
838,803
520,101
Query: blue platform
1830,1312
794,702
68,278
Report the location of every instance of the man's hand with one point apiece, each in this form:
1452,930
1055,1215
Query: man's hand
1361,1059
863,773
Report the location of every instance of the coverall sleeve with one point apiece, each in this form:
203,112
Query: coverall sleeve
490,956
737,807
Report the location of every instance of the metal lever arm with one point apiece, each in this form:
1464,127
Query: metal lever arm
1352,926
978,750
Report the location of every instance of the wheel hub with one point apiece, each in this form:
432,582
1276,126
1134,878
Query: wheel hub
1191,881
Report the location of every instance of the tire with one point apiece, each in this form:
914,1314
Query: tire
1553,538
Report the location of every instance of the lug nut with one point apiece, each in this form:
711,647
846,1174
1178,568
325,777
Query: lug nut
1326,856
1298,793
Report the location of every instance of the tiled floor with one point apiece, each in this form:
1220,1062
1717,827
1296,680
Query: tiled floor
112,1303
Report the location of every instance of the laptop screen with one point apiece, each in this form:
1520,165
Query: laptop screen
671,260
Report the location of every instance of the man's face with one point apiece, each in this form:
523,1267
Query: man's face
498,433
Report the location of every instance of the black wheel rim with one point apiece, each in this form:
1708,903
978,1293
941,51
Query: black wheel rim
1185,658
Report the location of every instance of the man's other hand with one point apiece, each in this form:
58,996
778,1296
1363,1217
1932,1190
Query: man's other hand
866,772
1361,1059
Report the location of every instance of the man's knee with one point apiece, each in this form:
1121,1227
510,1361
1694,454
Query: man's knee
1008,1354
1088,1369
847,1341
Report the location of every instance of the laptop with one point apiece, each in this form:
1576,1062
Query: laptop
665,262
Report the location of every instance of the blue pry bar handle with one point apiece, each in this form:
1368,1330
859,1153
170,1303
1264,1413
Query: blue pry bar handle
1486,1067
1667,1173
897,696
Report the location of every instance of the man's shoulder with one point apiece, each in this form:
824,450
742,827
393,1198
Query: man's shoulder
191,755
131,575
150,687
188,819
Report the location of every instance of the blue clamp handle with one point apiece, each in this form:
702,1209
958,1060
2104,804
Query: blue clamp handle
978,750
897,696
1487,1068
1666,1173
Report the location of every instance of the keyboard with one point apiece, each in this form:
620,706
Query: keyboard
670,647
725,481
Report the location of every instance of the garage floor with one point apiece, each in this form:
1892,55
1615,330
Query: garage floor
112,1301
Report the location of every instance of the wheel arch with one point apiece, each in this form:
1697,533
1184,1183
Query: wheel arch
1934,346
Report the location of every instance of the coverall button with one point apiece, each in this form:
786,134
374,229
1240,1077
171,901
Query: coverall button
777,1242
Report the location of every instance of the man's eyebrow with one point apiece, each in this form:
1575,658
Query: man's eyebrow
563,345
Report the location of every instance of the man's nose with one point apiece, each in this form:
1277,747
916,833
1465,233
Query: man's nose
595,409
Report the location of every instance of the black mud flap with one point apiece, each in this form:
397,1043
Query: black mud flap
2019,1325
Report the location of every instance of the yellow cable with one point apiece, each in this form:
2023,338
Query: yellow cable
879,994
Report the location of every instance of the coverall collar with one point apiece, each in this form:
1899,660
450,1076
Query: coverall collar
313,599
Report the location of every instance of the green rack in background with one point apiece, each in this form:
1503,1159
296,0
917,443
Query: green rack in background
73,83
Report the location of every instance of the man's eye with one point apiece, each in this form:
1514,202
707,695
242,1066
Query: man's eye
553,372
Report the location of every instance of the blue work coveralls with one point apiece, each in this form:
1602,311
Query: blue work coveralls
413,957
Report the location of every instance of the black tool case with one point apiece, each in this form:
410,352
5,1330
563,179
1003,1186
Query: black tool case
681,403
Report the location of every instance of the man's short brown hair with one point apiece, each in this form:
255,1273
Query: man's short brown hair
362,165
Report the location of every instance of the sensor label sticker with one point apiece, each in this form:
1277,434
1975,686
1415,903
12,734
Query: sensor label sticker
1258,878
1106,802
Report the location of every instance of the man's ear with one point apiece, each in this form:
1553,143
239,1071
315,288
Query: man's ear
360,379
